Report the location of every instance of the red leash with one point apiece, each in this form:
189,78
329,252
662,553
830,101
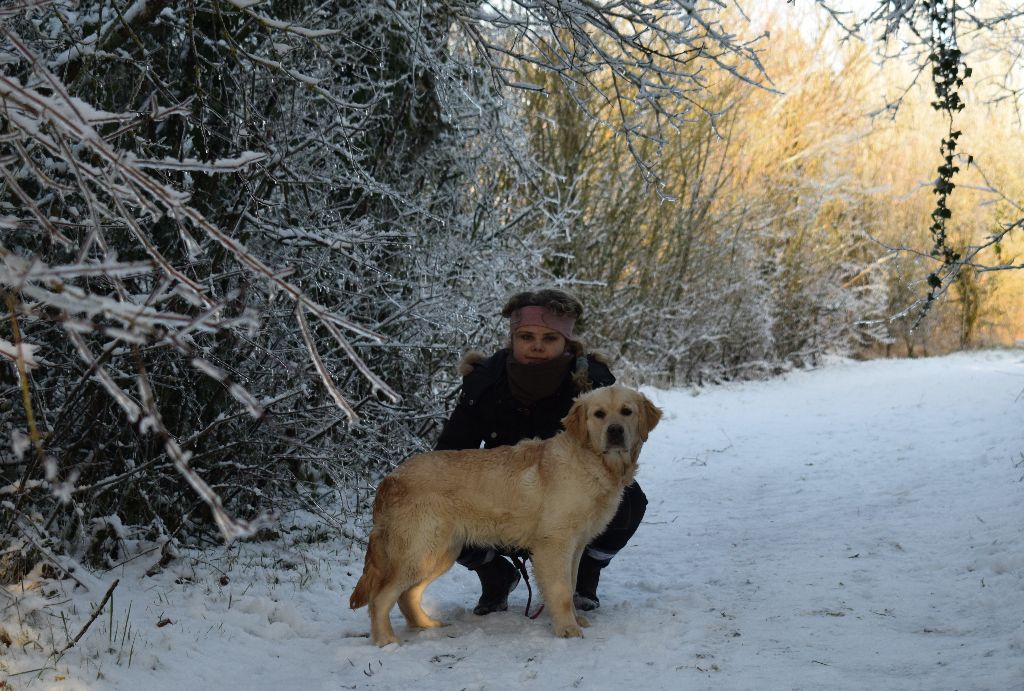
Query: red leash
521,565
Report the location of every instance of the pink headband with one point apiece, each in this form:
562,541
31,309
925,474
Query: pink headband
535,315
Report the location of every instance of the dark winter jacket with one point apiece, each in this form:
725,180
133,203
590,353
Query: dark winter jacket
487,412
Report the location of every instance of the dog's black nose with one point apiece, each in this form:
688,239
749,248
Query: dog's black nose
616,435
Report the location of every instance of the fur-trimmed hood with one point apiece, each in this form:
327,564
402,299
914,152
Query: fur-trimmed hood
469,360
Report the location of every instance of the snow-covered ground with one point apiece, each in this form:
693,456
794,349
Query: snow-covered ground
859,526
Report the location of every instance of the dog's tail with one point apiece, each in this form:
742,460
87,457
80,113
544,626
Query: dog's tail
375,565
368,581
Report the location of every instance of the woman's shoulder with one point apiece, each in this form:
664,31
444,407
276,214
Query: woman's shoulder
598,371
480,371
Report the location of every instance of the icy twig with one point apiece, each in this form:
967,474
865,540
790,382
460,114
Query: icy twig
231,528
321,369
95,614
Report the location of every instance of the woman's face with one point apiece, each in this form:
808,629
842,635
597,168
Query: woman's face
532,344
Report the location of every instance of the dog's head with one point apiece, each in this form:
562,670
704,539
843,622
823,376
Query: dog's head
614,422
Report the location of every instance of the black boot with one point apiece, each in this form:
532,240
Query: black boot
498,578
585,597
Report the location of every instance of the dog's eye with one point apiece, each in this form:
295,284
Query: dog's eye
626,412
599,414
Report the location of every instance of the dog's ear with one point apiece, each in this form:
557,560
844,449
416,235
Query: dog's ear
575,422
650,415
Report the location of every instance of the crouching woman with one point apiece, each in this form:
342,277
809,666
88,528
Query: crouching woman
521,392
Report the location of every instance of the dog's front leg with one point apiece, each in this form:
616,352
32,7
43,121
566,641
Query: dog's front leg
574,571
552,566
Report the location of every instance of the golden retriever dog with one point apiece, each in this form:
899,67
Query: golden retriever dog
550,497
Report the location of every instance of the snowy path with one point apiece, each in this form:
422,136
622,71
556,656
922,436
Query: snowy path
859,526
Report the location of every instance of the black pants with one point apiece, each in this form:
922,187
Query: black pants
602,548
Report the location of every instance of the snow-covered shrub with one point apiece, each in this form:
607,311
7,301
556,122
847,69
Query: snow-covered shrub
241,244
238,257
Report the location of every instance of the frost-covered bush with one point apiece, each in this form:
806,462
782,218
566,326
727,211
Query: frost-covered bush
238,257
241,244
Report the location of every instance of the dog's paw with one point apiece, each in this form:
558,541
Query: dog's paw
386,640
569,631
429,624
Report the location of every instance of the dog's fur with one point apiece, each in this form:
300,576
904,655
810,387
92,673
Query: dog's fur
549,497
